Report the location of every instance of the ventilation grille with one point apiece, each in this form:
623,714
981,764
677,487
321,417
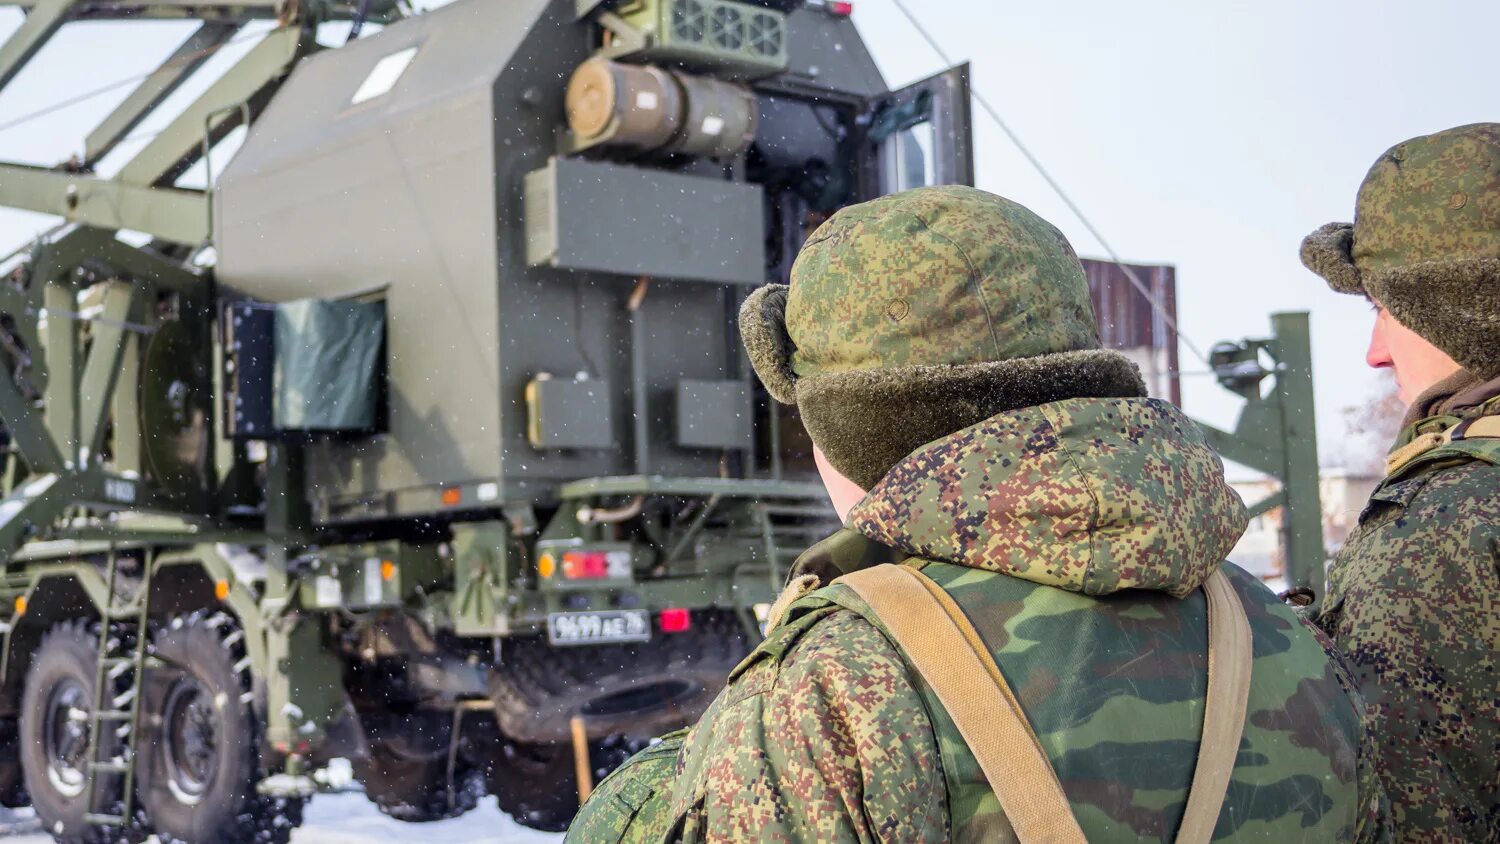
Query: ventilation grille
767,35
689,21
728,29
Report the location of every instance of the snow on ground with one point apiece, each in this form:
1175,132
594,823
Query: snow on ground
349,818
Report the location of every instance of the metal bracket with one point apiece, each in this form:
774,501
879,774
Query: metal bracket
1277,434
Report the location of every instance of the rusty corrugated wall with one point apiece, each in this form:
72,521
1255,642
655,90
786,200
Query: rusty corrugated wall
1128,322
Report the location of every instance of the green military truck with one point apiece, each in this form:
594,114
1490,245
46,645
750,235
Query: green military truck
420,429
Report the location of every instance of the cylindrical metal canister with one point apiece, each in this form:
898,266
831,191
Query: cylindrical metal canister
651,109
642,103
720,117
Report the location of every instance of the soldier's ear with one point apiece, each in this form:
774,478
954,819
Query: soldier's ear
763,330
1329,252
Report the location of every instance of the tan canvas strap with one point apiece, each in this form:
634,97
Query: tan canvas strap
947,651
1482,428
1229,661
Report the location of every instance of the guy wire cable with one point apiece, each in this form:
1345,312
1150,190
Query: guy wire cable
1036,163
120,83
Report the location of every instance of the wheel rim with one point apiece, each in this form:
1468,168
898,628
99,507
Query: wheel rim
66,737
190,741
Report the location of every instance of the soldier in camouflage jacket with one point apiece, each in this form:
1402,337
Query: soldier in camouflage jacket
1412,597
942,349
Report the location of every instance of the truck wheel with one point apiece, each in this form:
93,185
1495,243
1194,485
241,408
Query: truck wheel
56,709
200,755
537,785
640,690
406,773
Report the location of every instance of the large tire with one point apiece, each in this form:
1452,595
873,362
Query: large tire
54,734
639,690
406,772
537,785
200,754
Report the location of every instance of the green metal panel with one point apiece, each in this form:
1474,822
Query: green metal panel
714,414
593,216
422,237
304,686
569,413
482,574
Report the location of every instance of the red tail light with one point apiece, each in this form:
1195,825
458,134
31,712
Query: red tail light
591,565
841,9
585,565
677,620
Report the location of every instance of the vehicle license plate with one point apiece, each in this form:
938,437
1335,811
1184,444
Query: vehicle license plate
598,628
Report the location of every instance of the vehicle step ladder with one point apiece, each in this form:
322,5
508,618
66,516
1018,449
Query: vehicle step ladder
119,711
789,529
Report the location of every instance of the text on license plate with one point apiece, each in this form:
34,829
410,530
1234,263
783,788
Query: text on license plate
593,628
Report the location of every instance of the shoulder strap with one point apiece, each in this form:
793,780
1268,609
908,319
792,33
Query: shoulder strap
946,650
1478,428
1230,655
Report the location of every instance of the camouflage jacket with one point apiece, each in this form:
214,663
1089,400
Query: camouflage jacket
1414,603
1075,536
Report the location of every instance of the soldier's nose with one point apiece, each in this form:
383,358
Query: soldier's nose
1378,355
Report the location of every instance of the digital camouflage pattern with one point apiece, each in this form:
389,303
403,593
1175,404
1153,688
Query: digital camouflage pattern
1412,602
826,734
1425,242
1077,491
935,277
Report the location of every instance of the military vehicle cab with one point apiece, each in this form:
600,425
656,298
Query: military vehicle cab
419,434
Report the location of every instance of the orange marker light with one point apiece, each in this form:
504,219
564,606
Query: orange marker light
387,570
546,565
20,605
221,589
451,496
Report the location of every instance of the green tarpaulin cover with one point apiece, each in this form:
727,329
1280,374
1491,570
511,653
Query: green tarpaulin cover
327,360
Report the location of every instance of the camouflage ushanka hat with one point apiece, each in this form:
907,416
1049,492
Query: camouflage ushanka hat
1425,242
920,314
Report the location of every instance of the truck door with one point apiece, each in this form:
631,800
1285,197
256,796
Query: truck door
918,136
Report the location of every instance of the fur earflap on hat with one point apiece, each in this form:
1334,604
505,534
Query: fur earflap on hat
763,330
1329,253
867,421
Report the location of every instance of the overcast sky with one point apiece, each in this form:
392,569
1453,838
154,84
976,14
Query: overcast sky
1212,136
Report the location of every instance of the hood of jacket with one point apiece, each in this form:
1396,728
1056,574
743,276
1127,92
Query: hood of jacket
1090,495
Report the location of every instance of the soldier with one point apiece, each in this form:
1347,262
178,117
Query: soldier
942,349
1412,597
